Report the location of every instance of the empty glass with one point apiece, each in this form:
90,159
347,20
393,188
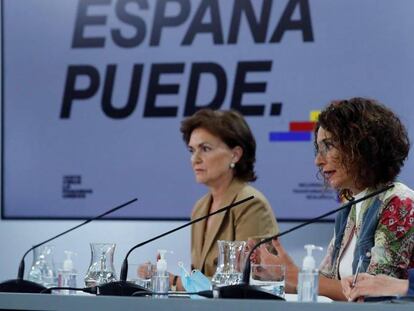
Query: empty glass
269,277
231,259
101,269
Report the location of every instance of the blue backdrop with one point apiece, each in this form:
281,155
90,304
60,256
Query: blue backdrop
94,92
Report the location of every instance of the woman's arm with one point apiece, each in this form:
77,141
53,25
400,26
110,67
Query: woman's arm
394,239
175,283
330,288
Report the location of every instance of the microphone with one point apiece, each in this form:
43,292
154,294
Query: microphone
124,288
244,290
20,285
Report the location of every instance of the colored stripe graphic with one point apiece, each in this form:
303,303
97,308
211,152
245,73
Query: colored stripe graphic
298,130
301,126
290,136
314,114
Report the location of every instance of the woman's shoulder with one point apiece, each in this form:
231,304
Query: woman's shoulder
400,191
203,201
248,190
257,210
398,201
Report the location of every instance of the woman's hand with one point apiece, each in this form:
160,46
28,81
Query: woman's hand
347,286
255,256
145,270
370,285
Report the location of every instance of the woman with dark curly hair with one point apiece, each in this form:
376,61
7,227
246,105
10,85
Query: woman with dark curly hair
360,147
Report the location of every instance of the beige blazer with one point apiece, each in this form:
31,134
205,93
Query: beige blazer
253,218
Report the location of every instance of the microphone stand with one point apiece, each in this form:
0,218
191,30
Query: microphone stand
244,290
125,288
20,285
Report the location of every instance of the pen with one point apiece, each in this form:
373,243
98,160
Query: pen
358,269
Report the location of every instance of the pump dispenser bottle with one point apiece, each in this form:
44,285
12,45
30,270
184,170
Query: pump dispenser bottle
67,275
161,279
308,279
162,262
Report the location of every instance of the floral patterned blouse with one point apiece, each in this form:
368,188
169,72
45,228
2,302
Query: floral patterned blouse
393,251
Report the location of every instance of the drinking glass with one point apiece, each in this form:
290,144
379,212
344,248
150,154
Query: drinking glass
230,264
141,274
101,269
43,270
269,277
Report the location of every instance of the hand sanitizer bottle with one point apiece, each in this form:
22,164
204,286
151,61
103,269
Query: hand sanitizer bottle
308,279
67,275
161,279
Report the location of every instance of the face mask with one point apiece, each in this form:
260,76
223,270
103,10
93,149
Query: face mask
194,281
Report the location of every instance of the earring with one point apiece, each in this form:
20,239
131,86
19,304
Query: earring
232,165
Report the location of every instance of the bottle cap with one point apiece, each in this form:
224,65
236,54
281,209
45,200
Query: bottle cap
68,262
309,261
162,263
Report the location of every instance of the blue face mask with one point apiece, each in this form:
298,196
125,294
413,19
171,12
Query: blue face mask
194,281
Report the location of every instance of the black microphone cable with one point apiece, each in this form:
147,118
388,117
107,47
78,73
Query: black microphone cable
89,290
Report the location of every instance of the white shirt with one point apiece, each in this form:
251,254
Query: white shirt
345,265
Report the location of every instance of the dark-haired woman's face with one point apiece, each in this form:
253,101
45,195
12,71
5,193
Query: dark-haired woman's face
328,159
210,158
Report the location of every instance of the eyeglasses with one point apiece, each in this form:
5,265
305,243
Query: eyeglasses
324,147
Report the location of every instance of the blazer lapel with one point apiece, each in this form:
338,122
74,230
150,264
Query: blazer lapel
210,237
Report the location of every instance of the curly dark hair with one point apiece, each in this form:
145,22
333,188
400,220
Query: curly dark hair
233,130
372,141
